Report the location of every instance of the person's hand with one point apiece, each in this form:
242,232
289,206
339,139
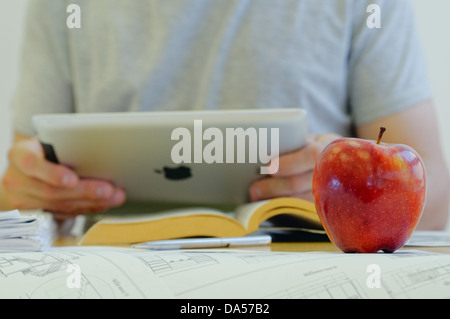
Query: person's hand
295,172
32,182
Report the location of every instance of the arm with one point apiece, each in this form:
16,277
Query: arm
294,177
390,61
295,172
31,182
418,128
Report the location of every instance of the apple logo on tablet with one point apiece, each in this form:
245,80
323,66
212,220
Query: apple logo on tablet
175,174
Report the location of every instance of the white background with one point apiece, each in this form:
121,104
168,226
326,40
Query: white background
11,30
432,20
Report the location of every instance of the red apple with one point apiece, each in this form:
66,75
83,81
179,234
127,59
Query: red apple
369,196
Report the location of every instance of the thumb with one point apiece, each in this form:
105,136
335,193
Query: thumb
28,157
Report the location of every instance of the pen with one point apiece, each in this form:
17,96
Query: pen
190,243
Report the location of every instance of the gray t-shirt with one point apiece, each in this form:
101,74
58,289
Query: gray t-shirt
145,55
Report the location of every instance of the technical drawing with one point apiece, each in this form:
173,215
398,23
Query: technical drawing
90,288
48,277
262,258
406,282
38,265
165,264
336,286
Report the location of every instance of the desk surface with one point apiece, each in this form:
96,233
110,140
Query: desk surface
293,247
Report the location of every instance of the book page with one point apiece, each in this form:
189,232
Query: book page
12,214
245,212
137,218
298,210
30,231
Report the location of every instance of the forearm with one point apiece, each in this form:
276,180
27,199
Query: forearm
5,200
418,128
436,211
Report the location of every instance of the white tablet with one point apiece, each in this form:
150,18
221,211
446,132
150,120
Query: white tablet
187,157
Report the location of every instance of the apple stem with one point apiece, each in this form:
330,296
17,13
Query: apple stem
382,130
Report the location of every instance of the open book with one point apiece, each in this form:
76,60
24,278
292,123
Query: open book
199,222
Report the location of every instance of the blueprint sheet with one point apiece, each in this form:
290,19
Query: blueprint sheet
99,272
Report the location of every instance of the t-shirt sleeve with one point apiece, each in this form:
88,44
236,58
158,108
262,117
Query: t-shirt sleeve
44,80
387,71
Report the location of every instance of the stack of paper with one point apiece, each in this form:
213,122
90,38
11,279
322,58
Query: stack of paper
25,232
432,238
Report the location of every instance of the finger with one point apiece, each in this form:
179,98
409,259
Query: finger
71,208
272,187
303,160
90,195
298,162
86,189
27,157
